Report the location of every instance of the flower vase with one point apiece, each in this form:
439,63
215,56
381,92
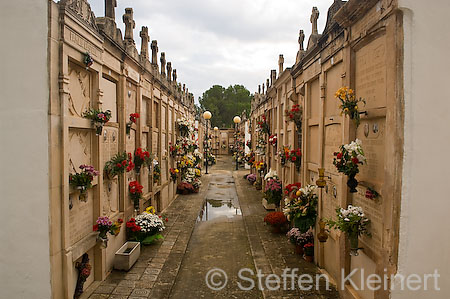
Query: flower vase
128,129
299,249
103,241
309,258
354,247
83,194
322,236
137,169
352,183
98,129
136,204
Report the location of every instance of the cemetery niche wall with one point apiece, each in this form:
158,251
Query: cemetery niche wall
94,67
352,51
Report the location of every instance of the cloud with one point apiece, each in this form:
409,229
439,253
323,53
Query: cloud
222,42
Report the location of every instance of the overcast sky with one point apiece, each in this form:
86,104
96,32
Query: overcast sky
222,42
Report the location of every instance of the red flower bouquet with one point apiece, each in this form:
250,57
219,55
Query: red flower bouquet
117,165
133,120
275,219
295,157
135,192
141,157
295,115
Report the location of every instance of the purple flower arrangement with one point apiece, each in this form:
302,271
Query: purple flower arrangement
251,178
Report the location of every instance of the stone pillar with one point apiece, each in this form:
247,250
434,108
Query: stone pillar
154,47
314,18
129,26
144,43
280,64
174,76
163,64
110,6
169,71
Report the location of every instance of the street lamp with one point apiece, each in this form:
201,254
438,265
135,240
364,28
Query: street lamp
215,139
207,116
236,121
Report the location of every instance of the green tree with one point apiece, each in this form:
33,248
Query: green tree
224,104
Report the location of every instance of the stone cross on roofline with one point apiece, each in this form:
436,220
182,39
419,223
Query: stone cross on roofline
314,18
129,25
154,47
110,6
163,63
144,42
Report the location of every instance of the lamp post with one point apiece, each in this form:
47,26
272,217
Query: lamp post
215,140
236,121
207,116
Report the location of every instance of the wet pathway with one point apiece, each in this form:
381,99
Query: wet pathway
219,228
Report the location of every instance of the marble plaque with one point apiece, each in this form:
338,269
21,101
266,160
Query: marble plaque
334,82
313,144
333,140
314,99
110,187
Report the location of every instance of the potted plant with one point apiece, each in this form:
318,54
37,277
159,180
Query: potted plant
251,178
185,188
353,222
295,115
99,118
294,235
273,191
173,149
273,140
82,181
135,190
156,171
141,157
174,174
301,207
117,165
284,155
308,248
263,126
276,220
347,161
133,120
295,156
349,103
146,228
103,226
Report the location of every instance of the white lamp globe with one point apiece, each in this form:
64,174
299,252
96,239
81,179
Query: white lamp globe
216,128
207,115
236,119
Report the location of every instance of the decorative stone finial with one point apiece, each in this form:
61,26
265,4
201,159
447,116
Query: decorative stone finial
263,88
301,39
163,63
314,18
174,76
259,89
154,47
110,6
267,85
144,42
129,25
273,77
280,64
169,71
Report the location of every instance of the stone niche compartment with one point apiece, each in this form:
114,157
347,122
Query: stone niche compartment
110,187
371,73
81,214
80,90
372,134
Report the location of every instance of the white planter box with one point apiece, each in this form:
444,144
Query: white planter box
124,261
268,206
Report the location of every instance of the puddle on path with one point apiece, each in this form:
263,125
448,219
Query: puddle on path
215,208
